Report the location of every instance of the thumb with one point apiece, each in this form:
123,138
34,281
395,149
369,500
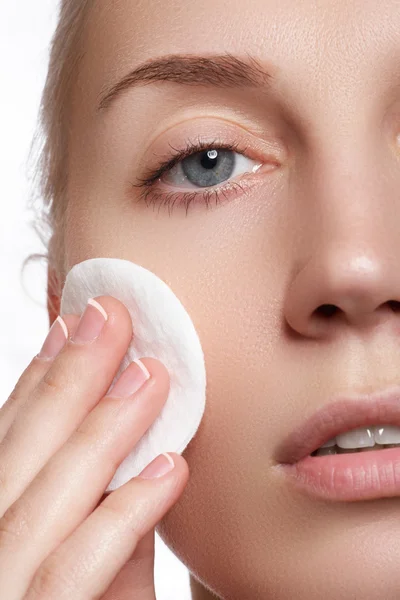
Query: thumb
137,575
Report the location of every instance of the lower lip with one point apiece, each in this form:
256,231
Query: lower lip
349,477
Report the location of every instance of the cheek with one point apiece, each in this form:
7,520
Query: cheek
230,293
226,497
223,526
200,520
231,507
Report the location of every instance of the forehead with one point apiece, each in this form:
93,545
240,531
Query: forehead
137,27
309,45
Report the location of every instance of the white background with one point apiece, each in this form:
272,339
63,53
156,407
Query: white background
26,27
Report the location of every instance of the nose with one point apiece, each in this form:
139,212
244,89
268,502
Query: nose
350,277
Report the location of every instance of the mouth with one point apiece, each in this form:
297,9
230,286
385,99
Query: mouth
348,450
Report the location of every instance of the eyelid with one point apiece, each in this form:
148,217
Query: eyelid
154,173
260,144
256,151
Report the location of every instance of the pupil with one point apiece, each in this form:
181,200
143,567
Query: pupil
209,167
209,159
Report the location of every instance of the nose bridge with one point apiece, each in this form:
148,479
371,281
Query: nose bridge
353,190
352,183
350,232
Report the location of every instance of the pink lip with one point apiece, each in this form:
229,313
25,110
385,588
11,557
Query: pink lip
346,477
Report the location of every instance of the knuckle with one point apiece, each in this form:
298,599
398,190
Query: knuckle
57,382
47,386
96,447
84,439
97,436
117,513
49,383
35,369
109,512
15,525
29,374
52,582
116,516
31,371
14,396
80,443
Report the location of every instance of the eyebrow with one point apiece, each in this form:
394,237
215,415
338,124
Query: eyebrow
216,70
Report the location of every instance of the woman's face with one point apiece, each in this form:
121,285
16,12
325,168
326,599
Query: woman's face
308,215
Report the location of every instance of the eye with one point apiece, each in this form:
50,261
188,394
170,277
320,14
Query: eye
209,168
198,166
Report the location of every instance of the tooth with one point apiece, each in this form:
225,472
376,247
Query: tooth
375,447
356,438
324,451
379,447
336,450
366,437
346,450
329,443
386,434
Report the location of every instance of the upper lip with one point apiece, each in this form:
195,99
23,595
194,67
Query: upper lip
340,415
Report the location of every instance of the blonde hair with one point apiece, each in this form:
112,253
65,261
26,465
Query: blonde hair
49,148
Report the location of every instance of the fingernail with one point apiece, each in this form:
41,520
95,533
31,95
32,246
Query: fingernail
91,323
159,466
130,381
55,340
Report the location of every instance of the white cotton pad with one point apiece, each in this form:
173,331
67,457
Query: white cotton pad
163,330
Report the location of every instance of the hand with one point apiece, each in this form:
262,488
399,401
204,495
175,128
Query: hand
61,441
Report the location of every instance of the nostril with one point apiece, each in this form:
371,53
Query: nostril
326,310
394,305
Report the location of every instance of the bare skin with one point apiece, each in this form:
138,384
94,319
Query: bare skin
62,438
317,225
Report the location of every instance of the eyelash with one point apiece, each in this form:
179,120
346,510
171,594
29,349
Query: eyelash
151,195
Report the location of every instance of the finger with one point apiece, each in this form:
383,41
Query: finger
32,375
85,565
76,380
137,573
68,487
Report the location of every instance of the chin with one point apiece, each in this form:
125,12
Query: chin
350,555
